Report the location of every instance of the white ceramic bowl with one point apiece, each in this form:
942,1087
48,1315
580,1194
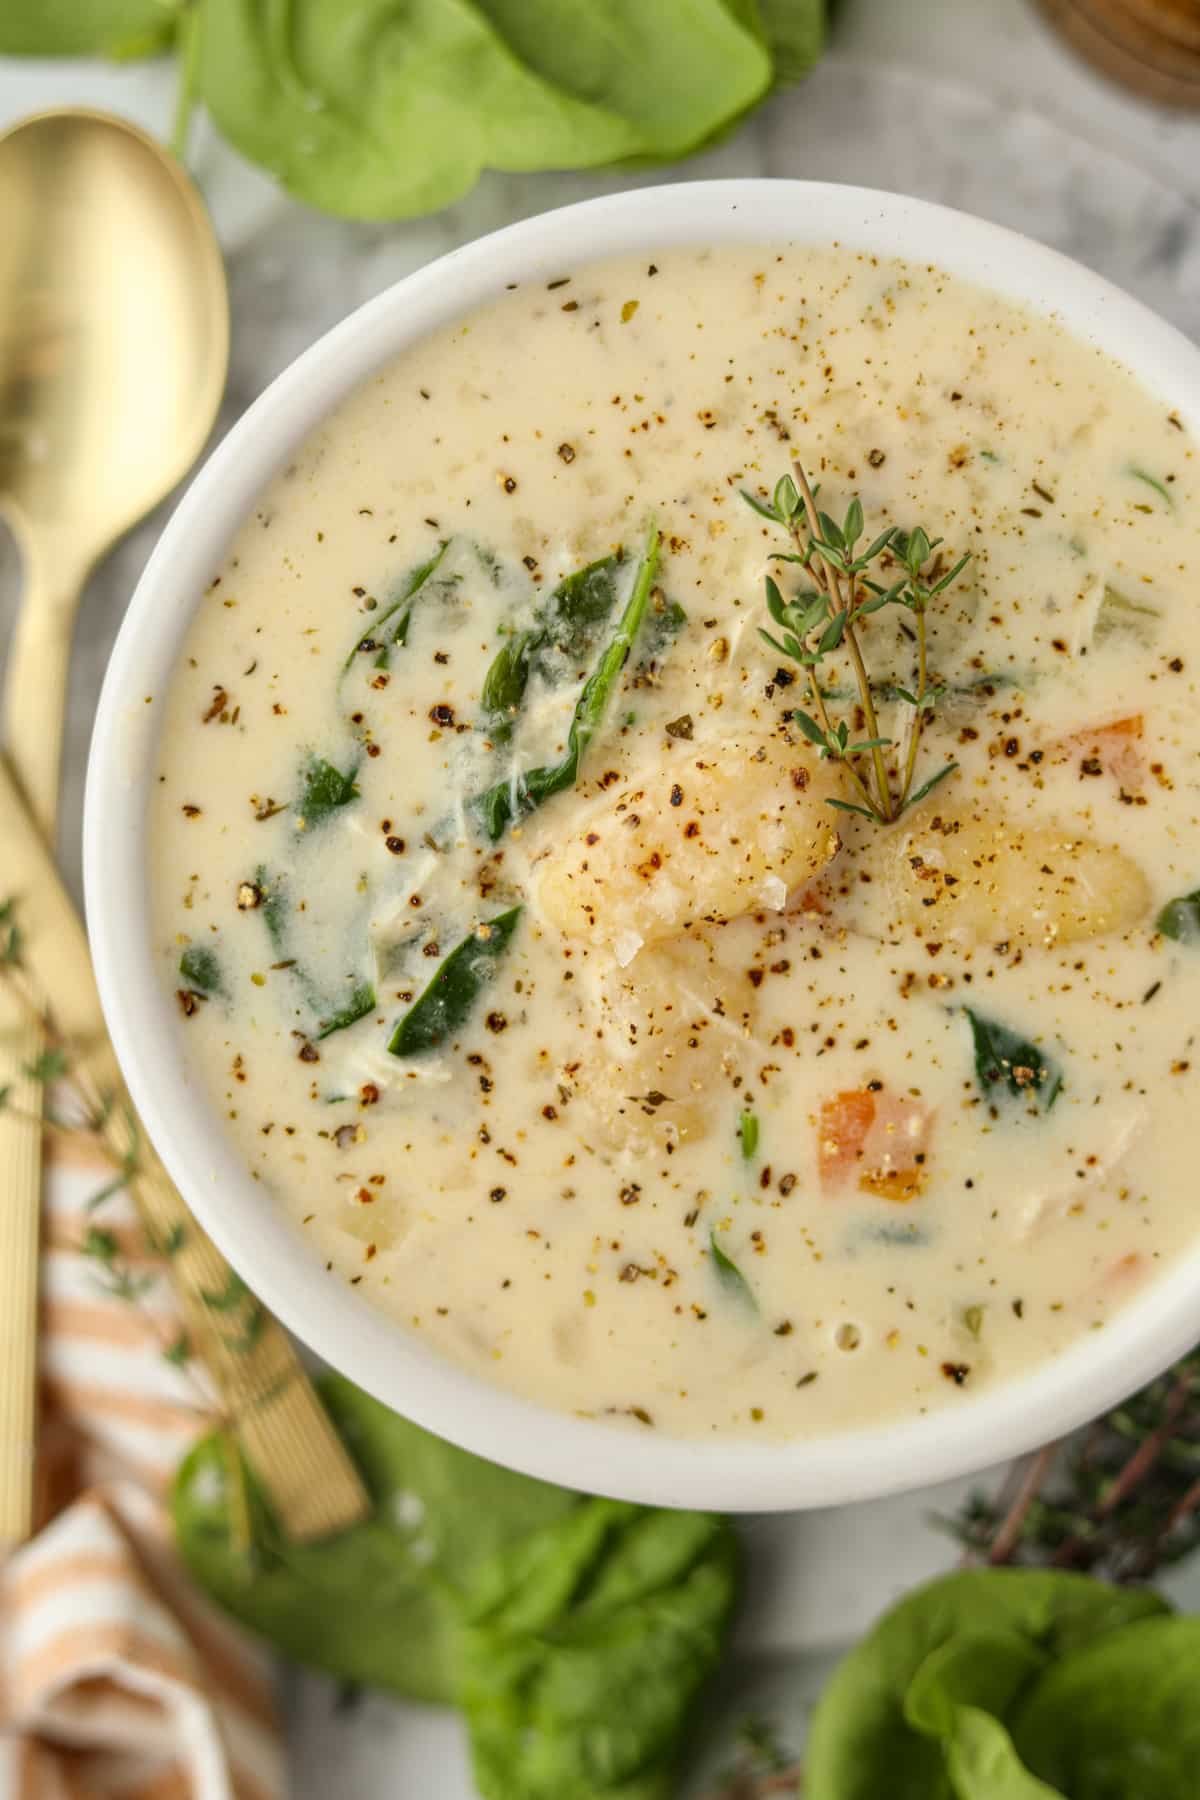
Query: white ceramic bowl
256,1237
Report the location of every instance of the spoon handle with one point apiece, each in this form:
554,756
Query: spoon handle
34,712
265,1397
39,662
20,1195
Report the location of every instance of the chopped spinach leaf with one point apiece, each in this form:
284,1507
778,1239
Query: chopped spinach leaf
360,1003
390,628
1009,1067
1151,481
450,998
274,908
662,627
564,629
748,1130
505,683
275,913
1120,617
508,801
903,1234
201,968
1180,918
730,1276
325,790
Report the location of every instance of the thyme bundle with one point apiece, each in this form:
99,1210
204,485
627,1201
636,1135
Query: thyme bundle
825,617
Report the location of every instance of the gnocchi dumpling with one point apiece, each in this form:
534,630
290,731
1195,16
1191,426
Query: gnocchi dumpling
977,877
702,837
665,1035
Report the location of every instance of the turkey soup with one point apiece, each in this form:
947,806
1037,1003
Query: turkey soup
675,840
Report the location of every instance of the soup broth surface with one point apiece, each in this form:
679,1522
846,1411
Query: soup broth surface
516,941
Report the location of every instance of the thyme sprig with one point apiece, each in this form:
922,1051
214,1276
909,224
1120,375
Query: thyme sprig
824,618
1122,1500
84,1110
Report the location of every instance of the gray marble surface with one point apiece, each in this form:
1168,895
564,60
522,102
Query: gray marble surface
971,102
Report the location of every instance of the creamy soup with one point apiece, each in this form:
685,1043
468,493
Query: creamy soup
521,933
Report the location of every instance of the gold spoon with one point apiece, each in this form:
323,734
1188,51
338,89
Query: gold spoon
114,345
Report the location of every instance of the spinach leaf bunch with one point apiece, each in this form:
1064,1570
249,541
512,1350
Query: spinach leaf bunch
385,109
574,1633
1014,1684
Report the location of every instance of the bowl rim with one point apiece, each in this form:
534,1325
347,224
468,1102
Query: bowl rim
733,1473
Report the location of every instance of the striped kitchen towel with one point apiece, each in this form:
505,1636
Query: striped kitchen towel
117,1678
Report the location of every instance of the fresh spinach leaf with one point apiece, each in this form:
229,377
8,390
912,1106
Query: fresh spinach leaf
564,629
390,629
959,1695
376,1603
584,1648
982,1764
1118,1719
201,968
508,801
390,109
862,1745
325,789
1180,918
360,1003
1008,1067
574,1632
451,996
730,1276
122,29
795,33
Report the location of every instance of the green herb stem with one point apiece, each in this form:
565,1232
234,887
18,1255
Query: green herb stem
824,618
914,741
843,601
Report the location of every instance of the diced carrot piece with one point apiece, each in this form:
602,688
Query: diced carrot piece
1112,749
901,1185
876,1139
845,1122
